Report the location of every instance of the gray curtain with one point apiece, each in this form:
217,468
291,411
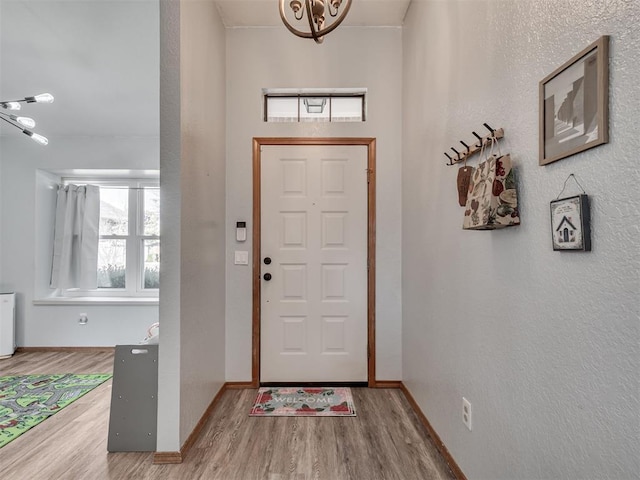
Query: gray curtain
75,244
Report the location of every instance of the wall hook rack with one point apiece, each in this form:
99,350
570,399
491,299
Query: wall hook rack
477,146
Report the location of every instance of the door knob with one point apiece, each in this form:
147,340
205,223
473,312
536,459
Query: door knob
267,260
267,276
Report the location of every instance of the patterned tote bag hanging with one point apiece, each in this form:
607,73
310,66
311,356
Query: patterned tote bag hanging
492,201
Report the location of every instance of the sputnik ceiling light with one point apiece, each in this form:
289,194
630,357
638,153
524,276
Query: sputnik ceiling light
315,11
25,123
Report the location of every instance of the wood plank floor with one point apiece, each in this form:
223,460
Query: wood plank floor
385,441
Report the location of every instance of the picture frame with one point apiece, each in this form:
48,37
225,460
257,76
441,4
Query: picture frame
574,104
570,224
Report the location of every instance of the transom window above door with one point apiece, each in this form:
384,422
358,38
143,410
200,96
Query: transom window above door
307,105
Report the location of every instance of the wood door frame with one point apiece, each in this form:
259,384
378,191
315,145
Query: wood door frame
370,143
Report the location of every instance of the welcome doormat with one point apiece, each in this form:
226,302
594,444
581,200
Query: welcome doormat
27,400
303,402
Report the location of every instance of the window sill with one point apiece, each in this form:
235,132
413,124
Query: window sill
98,301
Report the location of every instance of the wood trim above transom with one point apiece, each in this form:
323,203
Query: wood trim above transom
370,143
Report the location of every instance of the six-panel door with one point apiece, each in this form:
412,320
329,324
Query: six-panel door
314,283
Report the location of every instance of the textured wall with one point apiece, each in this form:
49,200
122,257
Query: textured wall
349,57
545,345
170,217
192,308
202,313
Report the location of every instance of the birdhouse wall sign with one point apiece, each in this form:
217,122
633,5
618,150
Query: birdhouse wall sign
570,228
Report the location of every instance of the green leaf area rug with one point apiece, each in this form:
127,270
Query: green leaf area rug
27,400
303,402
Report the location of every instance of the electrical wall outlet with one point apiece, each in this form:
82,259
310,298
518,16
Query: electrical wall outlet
466,413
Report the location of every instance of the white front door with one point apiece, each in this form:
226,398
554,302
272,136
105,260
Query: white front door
314,264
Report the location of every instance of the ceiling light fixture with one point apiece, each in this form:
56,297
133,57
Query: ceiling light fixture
24,123
315,13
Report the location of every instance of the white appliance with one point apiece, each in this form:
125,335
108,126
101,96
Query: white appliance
7,324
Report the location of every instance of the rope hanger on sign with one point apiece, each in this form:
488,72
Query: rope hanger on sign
565,185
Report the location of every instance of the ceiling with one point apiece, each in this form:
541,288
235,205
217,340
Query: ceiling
100,58
264,13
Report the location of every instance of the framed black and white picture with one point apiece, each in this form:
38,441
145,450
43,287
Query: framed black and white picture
570,226
574,103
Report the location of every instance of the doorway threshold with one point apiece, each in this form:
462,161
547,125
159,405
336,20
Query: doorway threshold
313,384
